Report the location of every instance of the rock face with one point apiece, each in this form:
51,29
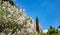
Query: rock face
10,12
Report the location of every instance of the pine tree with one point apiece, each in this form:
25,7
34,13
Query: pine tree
37,25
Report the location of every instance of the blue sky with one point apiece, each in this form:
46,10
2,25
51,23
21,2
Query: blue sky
48,11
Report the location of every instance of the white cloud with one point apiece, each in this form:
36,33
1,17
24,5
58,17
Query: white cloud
45,31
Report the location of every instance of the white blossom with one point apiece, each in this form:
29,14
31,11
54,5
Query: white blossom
13,13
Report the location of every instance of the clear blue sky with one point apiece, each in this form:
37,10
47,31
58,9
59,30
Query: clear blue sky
48,11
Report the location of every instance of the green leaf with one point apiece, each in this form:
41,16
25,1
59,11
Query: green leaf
1,11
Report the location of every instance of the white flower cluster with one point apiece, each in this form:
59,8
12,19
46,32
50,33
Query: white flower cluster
12,13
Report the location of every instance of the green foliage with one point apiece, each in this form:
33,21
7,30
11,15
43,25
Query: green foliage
51,31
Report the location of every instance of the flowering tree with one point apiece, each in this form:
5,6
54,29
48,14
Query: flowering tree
14,21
